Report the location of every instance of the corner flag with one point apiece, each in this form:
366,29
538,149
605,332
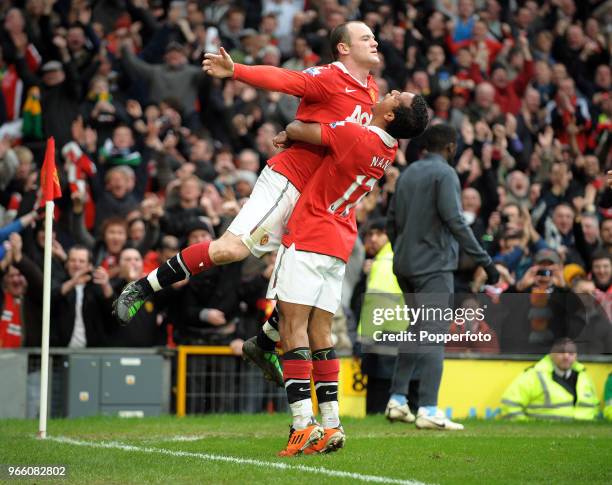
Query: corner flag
50,190
49,180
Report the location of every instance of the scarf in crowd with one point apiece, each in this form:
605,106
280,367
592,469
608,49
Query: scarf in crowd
79,168
32,116
119,156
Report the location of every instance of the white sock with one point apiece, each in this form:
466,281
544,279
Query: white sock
153,281
302,413
329,414
271,332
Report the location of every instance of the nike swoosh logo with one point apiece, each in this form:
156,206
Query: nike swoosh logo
439,425
302,389
328,393
350,90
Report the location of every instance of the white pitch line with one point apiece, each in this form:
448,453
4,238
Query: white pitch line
184,438
237,460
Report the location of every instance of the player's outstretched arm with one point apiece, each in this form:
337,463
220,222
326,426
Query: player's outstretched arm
270,78
305,132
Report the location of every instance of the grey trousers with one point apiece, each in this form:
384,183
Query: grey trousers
430,290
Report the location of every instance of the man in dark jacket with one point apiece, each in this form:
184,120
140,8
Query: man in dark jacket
82,304
209,304
144,330
426,228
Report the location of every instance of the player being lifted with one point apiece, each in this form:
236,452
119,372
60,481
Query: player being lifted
343,90
309,270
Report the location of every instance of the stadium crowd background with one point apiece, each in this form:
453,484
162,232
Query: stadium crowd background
153,155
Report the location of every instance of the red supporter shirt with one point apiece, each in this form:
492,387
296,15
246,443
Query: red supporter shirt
10,322
323,220
329,93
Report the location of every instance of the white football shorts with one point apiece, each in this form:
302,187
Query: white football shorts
307,278
262,220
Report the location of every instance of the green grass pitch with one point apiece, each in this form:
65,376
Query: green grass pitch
242,449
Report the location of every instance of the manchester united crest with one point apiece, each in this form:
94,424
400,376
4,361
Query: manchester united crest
373,95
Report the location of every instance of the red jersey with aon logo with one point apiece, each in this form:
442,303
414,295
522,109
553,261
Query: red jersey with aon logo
323,220
329,93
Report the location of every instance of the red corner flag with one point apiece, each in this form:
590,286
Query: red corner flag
49,181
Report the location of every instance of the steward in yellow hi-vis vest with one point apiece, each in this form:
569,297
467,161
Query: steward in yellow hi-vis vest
382,292
557,387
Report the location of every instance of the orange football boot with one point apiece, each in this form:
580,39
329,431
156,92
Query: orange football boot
300,439
332,440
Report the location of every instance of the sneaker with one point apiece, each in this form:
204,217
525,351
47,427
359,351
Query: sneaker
300,439
268,362
333,439
426,420
398,412
128,303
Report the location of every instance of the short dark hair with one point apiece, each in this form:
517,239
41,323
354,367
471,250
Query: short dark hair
564,344
81,247
340,35
438,137
512,204
601,254
113,221
564,204
409,122
563,163
377,224
601,224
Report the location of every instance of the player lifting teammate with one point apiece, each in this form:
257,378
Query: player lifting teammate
343,90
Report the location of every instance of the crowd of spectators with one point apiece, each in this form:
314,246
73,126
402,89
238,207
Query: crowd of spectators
154,155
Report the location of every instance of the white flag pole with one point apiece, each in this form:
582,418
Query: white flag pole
46,315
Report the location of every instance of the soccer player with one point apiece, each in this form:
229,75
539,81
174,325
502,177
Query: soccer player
343,90
309,269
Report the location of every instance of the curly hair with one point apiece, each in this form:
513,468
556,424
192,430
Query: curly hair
410,122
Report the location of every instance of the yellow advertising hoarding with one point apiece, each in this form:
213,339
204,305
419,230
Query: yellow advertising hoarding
470,388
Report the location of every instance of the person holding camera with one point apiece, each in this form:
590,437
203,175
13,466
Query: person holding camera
546,273
519,242
82,304
546,297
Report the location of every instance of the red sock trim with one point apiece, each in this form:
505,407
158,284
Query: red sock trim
325,370
297,369
197,258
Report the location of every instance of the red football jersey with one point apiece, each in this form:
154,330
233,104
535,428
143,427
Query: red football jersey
329,93
323,220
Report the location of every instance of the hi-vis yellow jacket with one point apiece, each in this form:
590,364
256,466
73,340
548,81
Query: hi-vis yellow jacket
534,394
382,292
381,278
